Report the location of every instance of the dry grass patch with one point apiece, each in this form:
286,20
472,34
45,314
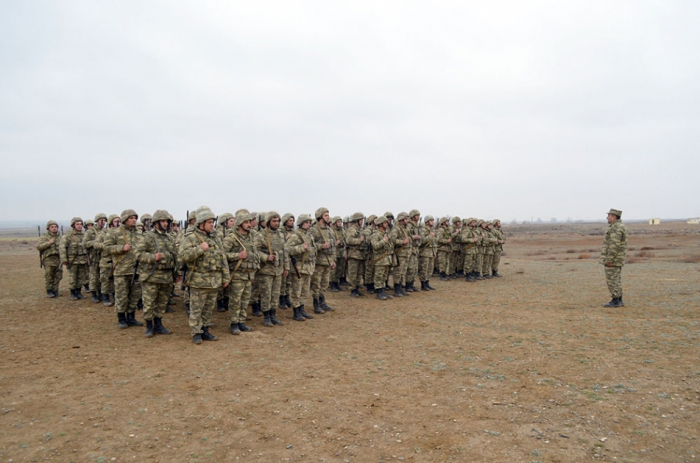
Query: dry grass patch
691,259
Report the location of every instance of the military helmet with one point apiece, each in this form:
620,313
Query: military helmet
89,222
192,216
388,215
261,217
170,217
126,213
75,219
371,219
51,222
303,218
456,219
346,219
319,212
401,216
100,215
413,213
428,218
242,216
145,217
286,217
272,215
380,220
479,222
444,220
253,216
336,218
111,218
139,224
356,216
223,218
160,214
495,221
204,214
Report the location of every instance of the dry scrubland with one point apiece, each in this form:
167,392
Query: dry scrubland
529,367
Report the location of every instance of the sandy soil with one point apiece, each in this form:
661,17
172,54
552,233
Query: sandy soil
529,367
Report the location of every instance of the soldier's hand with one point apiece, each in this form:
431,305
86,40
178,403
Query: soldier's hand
337,242
243,254
406,240
326,245
225,284
305,246
608,264
333,266
52,241
126,247
386,238
204,246
476,239
271,258
159,256
362,238
416,237
285,273
450,240
431,234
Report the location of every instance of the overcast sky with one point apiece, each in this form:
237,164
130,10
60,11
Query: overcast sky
507,110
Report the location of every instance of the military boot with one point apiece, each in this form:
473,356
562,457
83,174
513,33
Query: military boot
273,317
79,293
220,305
612,303
187,309
303,312
197,339
105,300
256,309
619,302
288,301
317,307
243,327
443,276
423,287
496,274
282,304
139,304
131,319
169,309
55,293
408,288
427,285
171,301
477,276
297,315
158,327
323,304
50,294
397,291
122,321
149,329
381,294
206,335
87,287
370,288
73,295
334,287
403,291
234,329
355,293
94,298
266,320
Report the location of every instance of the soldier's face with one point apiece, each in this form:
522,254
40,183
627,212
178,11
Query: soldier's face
247,225
163,224
89,226
359,222
78,226
230,222
208,225
116,223
326,217
131,222
274,223
338,223
253,223
429,223
101,223
306,225
498,225
290,222
53,228
612,218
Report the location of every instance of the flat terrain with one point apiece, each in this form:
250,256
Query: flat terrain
529,367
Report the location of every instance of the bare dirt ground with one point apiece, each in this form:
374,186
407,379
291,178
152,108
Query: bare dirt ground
529,367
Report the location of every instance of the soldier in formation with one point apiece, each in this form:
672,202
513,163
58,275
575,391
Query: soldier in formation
612,256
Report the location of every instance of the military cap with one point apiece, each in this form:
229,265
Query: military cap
380,220
271,215
192,216
204,214
161,214
99,216
401,216
413,213
388,215
428,218
303,218
456,219
89,222
145,217
615,212
51,222
336,218
111,218
443,220
371,218
356,216
243,216
75,219
319,212
286,217
126,213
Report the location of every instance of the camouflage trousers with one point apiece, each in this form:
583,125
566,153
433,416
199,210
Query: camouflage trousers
300,289
425,268
340,268
469,262
412,268
269,290
356,269
319,280
254,290
496,260
486,266
369,272
239,294
155,299
445,262
126,295
399,272
106,283
52,276
202,303
458,261
77,276
284,283
95,277
613,277
381,275
479,262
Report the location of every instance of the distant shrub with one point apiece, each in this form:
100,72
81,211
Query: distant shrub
648,248
644,254
551,258
571,251
584,256
632,260
692,259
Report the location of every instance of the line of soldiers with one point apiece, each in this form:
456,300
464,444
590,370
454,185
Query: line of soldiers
262,260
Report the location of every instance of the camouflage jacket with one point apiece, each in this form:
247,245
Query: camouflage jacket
443,237
398,234
614,248
428,244
498,234
413,230
467,239
366,245
382,251
320,236
235,243
72,250
271,242
455,233
163,271
113,245
352,238
99,244
206,269
339,235
50,253
89,244
305,259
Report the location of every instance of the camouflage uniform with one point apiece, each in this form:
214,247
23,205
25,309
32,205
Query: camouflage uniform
498,249
402,251
468,237
356,254
412,268
105,263
325,262
286,284
338,275
612,256
479,249
382,257
456,261
75,257
95,255
489,245
270,243
51,259
444,239
427,250
242,272
305,262
367,251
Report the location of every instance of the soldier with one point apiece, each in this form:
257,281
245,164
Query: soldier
427,251
121,243
286,285
489,245
498,249
302,254
455,247
243,262
74,257
157,258
612,255
469,241
324,240
402,250
338,233
356,254
223,227
412,268
269,244
146,222
50,258
382,252
206,273
95,255
367,251
444,239
479,261
106,281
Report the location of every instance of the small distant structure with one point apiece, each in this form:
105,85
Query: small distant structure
695,221
654,221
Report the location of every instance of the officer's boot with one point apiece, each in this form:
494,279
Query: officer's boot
55,293
243,327
50,294
73,295
427,285
297,315
443,277
79,293
234,329
266,320
131,319
273,317
317,308
322,304
206,335
288,301
105,300
477,276
408,288
87,287
149,329
303,312
256,309
94,298
158,327
397,291
122,321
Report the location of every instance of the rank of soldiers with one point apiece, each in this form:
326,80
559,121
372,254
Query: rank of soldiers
261,261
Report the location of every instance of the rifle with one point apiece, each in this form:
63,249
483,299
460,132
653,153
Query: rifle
187,219
133,276
184,275
41,253
294,265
